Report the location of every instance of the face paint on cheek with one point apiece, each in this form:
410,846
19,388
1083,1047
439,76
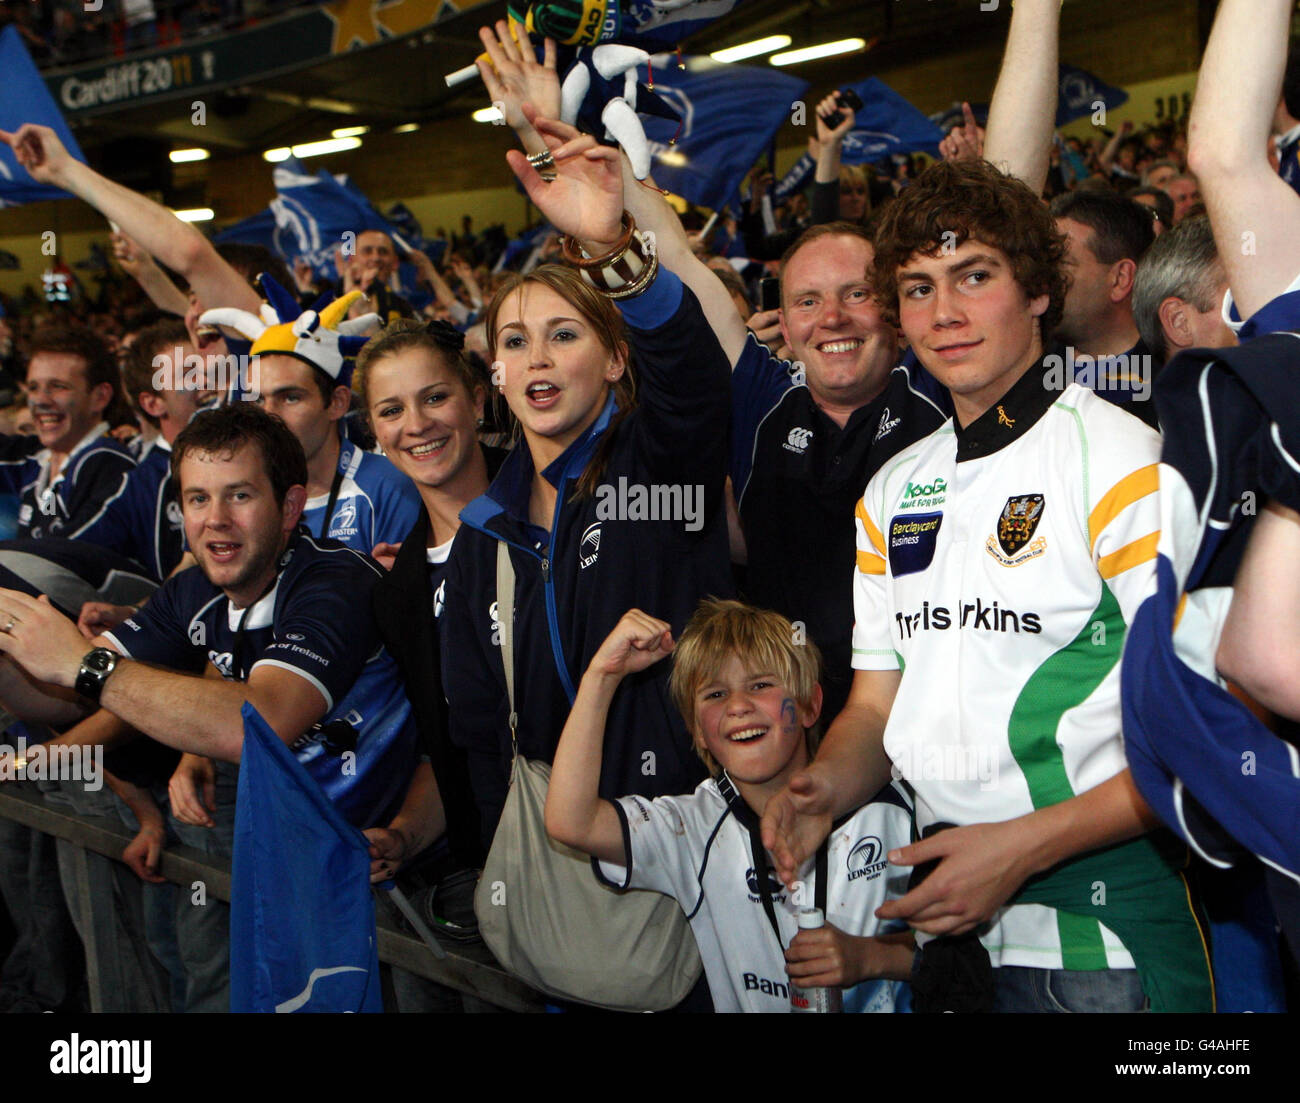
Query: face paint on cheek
789,716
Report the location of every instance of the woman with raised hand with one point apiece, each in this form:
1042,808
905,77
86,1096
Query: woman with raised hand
609,501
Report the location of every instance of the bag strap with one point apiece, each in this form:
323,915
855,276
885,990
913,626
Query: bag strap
745,816
506,629
823,877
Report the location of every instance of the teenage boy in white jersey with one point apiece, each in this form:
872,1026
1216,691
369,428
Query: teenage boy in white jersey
999,560
750,692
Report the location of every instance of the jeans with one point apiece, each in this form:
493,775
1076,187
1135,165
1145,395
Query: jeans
203,929
44,970
159,903
130,979
1057,991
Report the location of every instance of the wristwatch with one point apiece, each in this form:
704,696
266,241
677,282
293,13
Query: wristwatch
94,672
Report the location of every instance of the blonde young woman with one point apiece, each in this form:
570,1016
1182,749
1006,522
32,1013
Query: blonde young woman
424,402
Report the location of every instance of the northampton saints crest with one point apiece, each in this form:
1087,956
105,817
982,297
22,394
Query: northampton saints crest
1020,516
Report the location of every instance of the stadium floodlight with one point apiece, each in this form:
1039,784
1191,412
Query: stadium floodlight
311,149
181,156
406,128
350,132
488,115
326,145
812,53
752,49
198,214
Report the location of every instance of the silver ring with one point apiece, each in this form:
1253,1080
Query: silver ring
9,625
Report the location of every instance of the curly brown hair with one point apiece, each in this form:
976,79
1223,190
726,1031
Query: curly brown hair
972,200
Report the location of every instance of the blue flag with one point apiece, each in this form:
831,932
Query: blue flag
259,229
1081,92
302,917
729,113
652,25
1078,94
886,125
312,213
25,99
518,249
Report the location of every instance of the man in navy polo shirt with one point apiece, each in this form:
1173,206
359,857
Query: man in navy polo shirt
282,618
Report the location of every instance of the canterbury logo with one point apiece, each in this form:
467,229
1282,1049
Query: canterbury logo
797,440
1009,422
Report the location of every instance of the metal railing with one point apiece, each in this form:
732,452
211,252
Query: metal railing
183,866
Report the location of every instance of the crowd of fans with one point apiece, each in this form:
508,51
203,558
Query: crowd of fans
64,32
867,465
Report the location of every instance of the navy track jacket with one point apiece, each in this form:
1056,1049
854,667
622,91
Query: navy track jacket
601,558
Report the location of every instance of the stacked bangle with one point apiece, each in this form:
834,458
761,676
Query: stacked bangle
544,163
626,270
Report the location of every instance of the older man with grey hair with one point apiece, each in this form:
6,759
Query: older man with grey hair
1178,292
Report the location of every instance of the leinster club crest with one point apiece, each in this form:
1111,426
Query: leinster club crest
1019,518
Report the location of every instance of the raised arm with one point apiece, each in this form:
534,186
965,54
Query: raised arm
1255,214
160,233
516,77
654,215
140,266
575,813
830,139
465,273
1022,113
1106,159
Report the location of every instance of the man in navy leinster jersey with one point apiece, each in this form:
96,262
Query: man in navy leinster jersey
283,618
64,475
301,367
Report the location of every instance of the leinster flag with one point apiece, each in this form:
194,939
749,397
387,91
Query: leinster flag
25,99
258,229
302,919
729,116
312,213
1081,93
887,124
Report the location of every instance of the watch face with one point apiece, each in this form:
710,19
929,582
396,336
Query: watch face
100,659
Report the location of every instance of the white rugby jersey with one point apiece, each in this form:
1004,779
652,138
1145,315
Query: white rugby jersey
997,567
695,849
